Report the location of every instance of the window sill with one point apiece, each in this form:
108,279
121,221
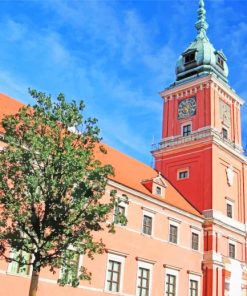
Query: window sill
113,293
18,275
175,244
147,235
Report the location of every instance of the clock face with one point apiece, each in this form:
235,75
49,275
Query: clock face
187,108
225,113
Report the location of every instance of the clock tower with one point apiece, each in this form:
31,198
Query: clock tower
201,155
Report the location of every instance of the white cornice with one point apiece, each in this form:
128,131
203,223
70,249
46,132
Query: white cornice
207,79
163,204
224,221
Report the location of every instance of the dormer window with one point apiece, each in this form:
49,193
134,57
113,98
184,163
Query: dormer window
189,58
220,62
158,190
156,185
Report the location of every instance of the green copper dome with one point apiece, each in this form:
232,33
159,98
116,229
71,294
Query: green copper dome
201,57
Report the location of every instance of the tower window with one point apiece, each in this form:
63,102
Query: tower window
229,210
232,251
189,58
186,130
183,174
224,133
220,62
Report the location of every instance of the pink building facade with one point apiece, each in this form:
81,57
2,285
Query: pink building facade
186,230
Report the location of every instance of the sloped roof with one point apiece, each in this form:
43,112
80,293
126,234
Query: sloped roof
8,106
128,171
131,172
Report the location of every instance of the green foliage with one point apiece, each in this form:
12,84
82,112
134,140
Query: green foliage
51,185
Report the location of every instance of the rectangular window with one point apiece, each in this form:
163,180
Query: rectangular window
113,276
189,58
220,62
158,190
147,225
143,281
224,133
170,285
69,272
118,210
173,234
183,174
18,267
194,288
229,210
195,241
186,130
232,251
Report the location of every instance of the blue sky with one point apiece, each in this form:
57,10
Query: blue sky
115,55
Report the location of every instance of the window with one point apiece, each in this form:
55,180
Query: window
229,210
195,241
224,133
183,174
189,58
114,272
170,285
144,277
232,251
17,267
143,281
186,130
158,190
194,288
220,62
69,271
147,225
113,276
173,234
119,210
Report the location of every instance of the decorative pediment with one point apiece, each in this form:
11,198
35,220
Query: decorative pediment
156,185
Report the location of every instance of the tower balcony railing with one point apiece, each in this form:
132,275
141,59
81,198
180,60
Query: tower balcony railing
206,133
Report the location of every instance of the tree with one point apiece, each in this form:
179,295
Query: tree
51,187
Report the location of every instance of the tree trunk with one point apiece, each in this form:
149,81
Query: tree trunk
34,283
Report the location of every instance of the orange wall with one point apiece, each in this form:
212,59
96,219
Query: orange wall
133,243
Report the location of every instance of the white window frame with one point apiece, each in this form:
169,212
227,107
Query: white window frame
174,272
155,190
123,204
176,223
182,128
232,242
80,262
195,277
118,258
19,274
149,266
196,231
150,214
229,202
183,170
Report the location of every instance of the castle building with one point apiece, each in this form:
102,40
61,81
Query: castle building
186,231
201,154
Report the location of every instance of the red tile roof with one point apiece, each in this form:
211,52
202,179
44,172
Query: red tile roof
128,171
131,173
